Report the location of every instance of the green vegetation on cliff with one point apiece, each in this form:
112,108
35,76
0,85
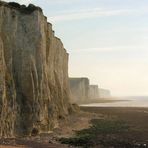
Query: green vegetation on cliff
22,8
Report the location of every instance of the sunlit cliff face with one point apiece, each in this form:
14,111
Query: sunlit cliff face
107,41
34,89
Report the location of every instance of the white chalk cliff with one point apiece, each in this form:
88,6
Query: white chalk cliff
34,89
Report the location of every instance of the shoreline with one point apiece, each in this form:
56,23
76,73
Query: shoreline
116,127
102,101
135,117
118,103
119,107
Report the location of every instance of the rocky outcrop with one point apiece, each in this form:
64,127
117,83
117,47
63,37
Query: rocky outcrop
104,93
93,92
79,88
34,88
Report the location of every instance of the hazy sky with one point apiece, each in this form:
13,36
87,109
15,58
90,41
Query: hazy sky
107,40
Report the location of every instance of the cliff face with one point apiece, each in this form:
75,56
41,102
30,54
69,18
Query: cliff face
34,89
79,89
104,93
93,92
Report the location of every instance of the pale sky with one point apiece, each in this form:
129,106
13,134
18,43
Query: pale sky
107,40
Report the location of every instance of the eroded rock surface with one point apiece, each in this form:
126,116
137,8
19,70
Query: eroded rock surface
104,93
93,92
34,88
79,88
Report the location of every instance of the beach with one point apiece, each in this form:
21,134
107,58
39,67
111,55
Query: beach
134,134
113,127
135,117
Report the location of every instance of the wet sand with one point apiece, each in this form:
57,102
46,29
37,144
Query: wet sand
135,117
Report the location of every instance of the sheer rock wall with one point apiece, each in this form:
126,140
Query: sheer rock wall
34,87
93,92
104,93
79,88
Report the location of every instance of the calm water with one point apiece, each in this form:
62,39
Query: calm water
141,101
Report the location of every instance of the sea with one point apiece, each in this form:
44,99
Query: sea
132,101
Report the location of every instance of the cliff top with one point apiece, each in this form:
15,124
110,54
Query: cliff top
22,8
27,10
